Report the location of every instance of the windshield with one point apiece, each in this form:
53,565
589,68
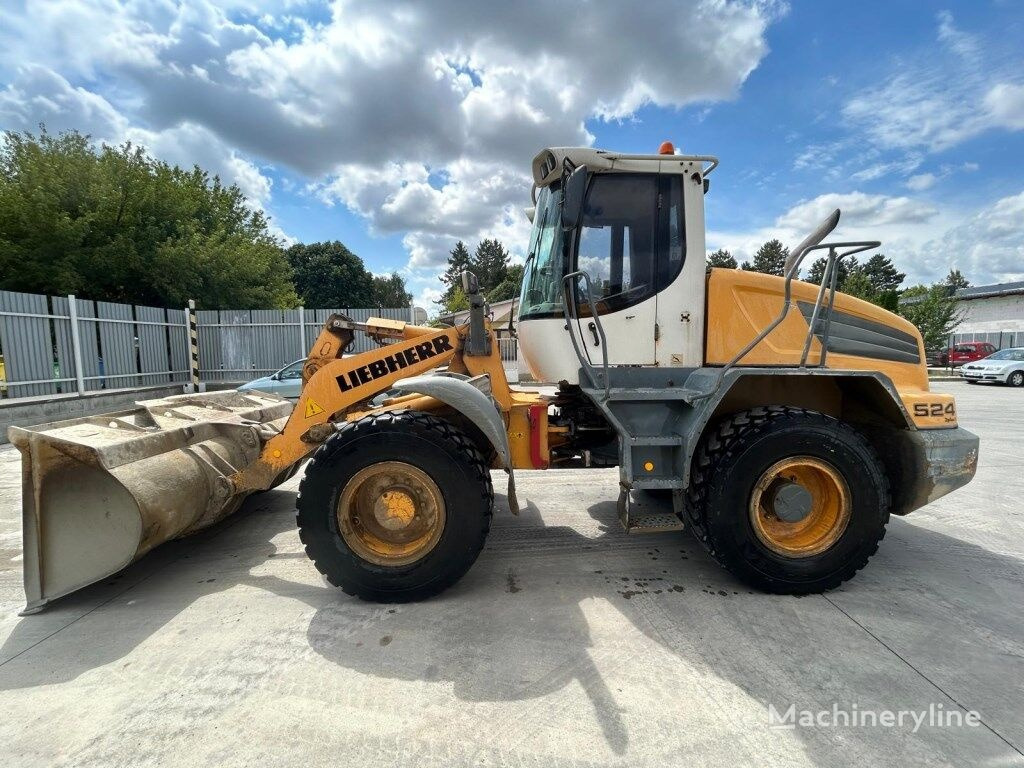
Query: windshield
1008,354
542,280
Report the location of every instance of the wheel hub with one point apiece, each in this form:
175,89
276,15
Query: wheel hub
800,506
391,513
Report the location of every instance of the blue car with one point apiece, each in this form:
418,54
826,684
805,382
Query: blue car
287,382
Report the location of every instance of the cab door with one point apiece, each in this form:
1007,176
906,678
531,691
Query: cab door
681,267
616,247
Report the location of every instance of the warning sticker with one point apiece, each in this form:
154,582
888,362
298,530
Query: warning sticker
312,408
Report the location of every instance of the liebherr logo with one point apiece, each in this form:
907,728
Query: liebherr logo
364,374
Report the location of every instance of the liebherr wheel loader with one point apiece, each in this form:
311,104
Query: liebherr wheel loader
784,420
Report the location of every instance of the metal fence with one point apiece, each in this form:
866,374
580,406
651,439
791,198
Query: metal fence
236,345
53,345
998,339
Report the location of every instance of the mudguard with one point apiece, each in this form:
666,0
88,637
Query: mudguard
466,396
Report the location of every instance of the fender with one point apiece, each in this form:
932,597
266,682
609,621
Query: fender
704,409
469,400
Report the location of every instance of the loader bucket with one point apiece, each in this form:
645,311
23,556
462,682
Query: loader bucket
99,492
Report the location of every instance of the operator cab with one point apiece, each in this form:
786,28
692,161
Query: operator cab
629,223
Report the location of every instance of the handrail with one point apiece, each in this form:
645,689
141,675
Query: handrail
585,362
829,276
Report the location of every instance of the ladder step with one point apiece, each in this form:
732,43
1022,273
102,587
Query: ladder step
642,516
653,523
657,483
626,394
656,440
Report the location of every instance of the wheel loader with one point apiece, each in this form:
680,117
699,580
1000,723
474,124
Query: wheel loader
782,422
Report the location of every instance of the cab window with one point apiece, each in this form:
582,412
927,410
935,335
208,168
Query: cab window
632,240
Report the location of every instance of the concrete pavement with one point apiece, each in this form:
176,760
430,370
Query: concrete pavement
568,643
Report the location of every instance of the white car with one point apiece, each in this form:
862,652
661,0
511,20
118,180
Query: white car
1005,367
286,382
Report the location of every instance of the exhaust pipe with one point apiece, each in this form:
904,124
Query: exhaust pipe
99,492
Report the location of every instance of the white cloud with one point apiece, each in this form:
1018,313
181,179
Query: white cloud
931,103
1005,103
37,94
364,102
902,224
921,182
987,247
987,244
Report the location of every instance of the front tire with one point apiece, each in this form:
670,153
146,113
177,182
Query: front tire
395,507
790,501
1016,379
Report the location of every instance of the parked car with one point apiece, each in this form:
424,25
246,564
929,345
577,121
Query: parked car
1005,367
967,352
286,382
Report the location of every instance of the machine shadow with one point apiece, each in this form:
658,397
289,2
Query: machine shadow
246,536
494,638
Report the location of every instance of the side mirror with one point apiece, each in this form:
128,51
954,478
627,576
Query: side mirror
572,197
470,284
275,377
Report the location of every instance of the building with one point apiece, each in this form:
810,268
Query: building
992,313
503,317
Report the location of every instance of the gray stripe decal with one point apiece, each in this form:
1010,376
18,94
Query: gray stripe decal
852,335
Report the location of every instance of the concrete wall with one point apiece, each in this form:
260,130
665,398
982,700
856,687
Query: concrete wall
993,314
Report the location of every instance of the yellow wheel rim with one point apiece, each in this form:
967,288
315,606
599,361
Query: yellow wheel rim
391,513
800,506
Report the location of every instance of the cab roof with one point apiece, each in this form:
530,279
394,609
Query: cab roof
548,164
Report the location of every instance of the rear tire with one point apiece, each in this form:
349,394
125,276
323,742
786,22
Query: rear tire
732,476
431,449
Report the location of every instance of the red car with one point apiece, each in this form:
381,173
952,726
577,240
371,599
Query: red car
967,352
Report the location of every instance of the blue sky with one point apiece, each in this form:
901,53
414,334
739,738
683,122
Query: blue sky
400,127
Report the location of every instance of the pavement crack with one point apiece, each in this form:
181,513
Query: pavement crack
921,674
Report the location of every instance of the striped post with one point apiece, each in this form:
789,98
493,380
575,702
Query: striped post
193,343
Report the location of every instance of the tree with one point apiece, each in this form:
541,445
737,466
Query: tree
509,287
490,264
114,224
390,291
877,280
885,281
858,284
770,259
458,261
817,271
933,311
955,281
329,276
721,258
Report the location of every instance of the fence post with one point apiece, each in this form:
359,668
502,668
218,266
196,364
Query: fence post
302,332
76,344
193,345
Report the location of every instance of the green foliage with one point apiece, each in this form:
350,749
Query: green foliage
770,259
877,280
112,223
955,281
509,287
817,271
458,261
933,311
390,291
458,302
328,275
722,258
490,264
